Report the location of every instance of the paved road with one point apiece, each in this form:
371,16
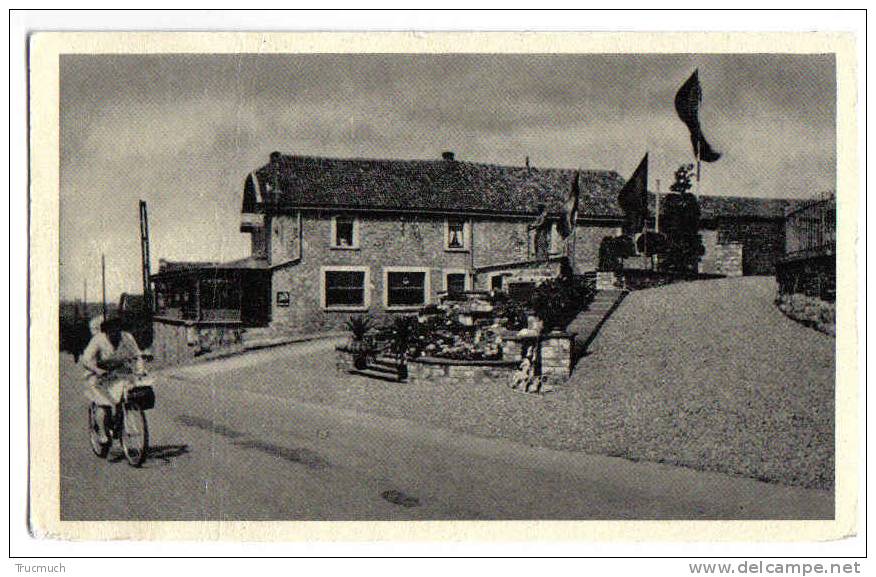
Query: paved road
227,447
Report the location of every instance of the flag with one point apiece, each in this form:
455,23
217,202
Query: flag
633,199
687,104
570,220
570,211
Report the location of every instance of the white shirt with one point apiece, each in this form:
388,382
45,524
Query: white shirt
101,349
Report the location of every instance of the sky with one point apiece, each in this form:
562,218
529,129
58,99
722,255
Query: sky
182,132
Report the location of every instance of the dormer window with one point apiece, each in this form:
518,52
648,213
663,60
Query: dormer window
345,232
456,232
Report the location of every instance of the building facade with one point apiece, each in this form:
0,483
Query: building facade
396,235
335,237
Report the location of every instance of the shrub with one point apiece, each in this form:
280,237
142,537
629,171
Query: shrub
650,243
680,220
612,251
557,301
513,313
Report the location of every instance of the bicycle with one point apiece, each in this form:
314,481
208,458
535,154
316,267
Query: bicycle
128,421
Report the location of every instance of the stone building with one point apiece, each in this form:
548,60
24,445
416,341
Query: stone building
742,235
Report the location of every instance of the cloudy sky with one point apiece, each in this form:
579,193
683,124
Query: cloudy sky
183,131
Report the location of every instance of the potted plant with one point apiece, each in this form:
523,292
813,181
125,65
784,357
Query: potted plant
359,325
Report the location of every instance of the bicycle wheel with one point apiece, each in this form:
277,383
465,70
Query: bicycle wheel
100,449
135,436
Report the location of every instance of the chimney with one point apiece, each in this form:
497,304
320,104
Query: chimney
275,156
447,155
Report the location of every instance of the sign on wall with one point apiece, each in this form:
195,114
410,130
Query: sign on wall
282,299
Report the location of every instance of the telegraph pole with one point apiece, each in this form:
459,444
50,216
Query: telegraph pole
144,255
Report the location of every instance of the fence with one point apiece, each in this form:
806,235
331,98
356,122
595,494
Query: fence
809,265
811,230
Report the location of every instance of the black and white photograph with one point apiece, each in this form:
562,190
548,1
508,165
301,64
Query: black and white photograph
459,286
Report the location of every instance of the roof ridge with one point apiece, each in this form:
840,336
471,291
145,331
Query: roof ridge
439,161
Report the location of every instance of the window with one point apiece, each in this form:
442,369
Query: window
521,291
345,288
497,282
406,287
455,282
345,232
219,293
456,235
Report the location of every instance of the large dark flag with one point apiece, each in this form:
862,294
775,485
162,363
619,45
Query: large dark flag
633,199
687,104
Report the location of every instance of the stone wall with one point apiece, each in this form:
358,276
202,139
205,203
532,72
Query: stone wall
708,263
390,240
177,342
282,238
384,241
607,280
589,236
554,362
556,356
447,373
762,240
729,259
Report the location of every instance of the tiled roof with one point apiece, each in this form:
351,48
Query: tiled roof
443,185
740,206
748,207
450,185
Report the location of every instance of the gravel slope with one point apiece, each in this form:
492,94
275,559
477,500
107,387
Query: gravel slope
706,374
711,375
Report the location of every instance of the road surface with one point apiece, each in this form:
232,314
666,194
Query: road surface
233,448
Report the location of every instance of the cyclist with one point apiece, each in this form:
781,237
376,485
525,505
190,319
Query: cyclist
111,350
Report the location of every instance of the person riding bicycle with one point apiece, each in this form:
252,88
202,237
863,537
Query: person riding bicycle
110,352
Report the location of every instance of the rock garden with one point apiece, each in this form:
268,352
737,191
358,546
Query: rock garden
518,342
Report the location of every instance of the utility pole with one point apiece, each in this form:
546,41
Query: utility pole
144,255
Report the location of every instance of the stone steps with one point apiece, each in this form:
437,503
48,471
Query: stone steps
371,373
588,323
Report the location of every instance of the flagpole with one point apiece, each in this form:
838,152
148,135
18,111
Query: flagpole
657,211
656,223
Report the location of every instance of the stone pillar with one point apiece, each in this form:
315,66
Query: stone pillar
729,259
556,356
606,280
511,350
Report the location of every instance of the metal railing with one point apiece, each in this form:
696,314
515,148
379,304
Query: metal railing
811,230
